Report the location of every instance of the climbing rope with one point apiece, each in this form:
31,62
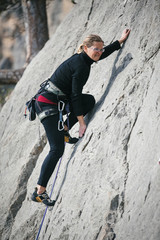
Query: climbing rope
50,197
60,160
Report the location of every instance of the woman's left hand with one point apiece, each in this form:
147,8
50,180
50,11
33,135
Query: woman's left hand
124,35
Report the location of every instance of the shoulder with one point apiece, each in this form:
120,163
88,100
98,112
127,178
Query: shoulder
77,63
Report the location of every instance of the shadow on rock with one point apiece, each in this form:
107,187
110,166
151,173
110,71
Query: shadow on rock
115,72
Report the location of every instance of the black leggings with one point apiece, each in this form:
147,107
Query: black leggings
56,139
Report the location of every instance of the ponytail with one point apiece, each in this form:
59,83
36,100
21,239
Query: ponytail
80,48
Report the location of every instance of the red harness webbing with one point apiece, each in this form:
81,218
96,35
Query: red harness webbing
45,100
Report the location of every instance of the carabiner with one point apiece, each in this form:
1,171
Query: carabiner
60,125
61,108
61,105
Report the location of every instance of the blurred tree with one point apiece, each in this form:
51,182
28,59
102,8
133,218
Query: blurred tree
6,4
36,28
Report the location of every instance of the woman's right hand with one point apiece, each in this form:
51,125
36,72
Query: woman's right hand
82,129
82,126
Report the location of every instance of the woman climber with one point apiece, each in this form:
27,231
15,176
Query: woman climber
65,87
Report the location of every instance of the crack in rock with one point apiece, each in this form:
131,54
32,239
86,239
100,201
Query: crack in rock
6,121
87,142
89,14
118,202
21,190
119,101
154,52
126,163
106,232
148,190
96,237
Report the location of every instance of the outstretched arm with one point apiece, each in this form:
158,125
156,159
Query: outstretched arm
124,35
115,45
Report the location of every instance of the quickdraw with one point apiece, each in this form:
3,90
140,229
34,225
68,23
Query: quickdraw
61,106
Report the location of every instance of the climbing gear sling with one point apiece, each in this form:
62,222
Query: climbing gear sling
47,86
30,105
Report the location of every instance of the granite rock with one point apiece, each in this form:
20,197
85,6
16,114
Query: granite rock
108,183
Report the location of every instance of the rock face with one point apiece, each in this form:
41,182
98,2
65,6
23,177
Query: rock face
108,183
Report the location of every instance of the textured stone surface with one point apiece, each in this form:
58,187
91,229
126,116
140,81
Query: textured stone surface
108,183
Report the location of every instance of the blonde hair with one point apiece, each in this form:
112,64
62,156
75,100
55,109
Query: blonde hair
88,41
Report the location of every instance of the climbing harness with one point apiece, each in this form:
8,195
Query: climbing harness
50,87
46,113
53,111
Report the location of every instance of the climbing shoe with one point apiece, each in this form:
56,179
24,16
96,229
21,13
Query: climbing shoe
43,198
69,139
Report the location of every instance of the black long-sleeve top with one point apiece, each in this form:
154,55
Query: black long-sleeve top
72,74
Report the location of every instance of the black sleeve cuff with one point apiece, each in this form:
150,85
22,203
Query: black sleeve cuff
117,45
110,49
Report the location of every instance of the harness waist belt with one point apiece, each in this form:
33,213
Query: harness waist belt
47,113
50,87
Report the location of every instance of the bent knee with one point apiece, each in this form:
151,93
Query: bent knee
90,102
93,101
